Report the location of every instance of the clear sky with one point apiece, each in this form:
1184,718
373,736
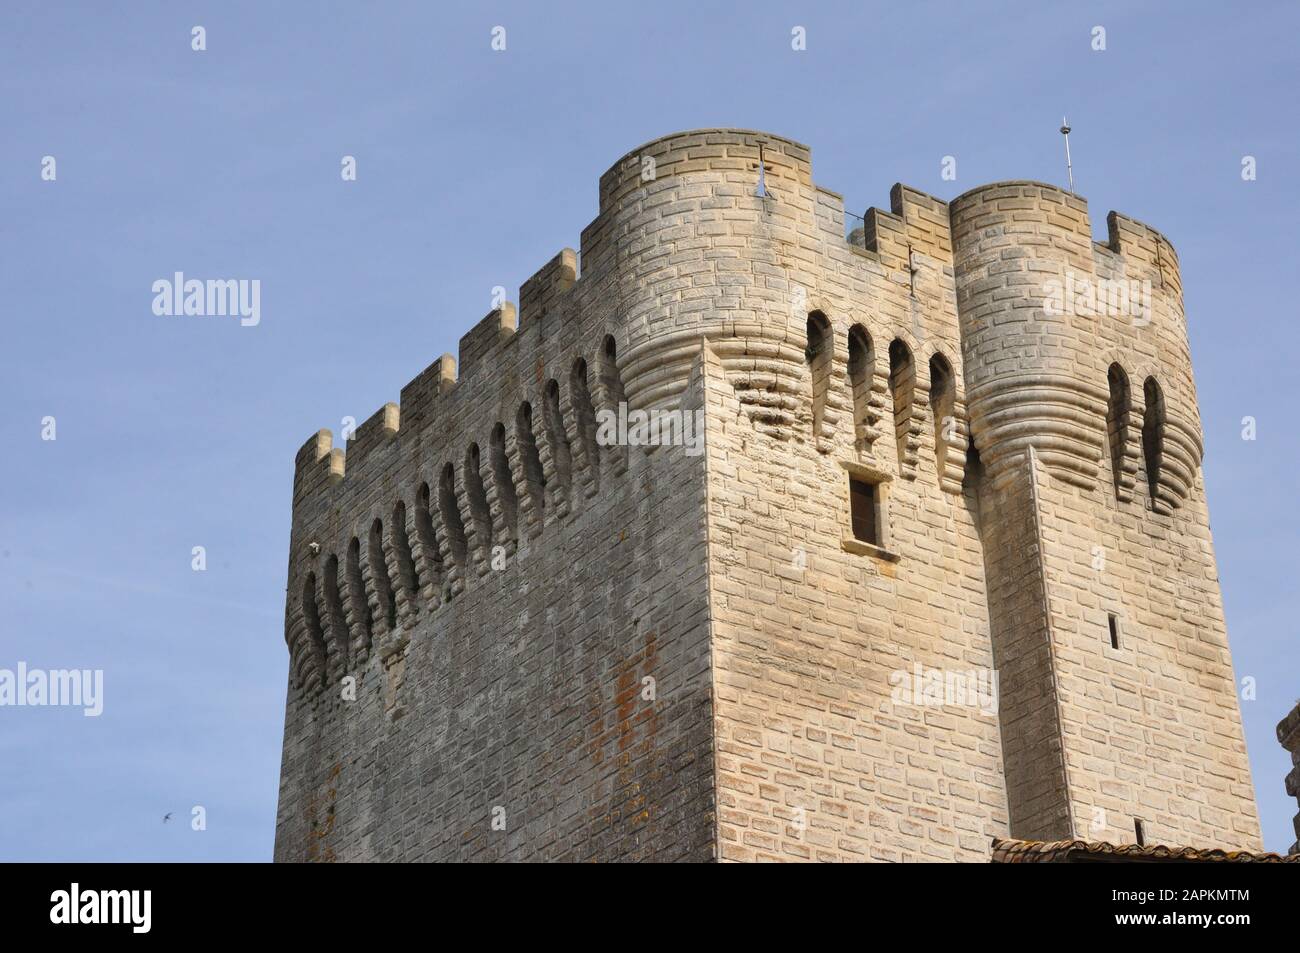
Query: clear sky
474,167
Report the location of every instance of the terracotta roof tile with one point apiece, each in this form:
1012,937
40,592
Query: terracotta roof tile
1009,851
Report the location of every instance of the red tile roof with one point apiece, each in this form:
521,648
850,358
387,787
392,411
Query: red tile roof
1007,851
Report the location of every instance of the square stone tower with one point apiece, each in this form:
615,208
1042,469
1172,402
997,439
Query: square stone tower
759,542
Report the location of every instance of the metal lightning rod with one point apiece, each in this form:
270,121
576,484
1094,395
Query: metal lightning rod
1069,168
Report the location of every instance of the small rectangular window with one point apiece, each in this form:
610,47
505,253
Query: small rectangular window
1140,832
1114,630
863,501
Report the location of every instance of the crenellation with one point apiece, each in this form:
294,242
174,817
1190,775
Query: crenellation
1139,243
925,221
373,432
540,293
494,331
501,581
418,399
312,465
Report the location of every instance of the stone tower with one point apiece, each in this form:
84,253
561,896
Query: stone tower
939,569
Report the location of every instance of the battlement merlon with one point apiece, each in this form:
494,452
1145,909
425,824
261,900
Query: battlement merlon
915,223
1138,244
315,465
726,161
378,428
540,292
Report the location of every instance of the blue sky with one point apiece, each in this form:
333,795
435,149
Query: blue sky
474,168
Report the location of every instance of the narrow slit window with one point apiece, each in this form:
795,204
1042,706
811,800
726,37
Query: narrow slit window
1140,832
863,508
943,394
1117,426
1114,630
819,356
1153,440
902,384
861,369
379,573
357,591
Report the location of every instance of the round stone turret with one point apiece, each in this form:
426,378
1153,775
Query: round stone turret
704,253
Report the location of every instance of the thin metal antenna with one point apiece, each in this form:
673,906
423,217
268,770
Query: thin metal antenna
1069,168
761,191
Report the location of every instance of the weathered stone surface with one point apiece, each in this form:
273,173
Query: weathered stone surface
569,651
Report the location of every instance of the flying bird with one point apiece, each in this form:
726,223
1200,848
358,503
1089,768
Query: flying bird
167,817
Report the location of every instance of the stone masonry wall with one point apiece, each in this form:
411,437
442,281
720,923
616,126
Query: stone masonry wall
501,624
815,761
566,650
1150,730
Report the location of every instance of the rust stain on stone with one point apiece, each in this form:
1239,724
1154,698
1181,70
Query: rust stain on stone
317,850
